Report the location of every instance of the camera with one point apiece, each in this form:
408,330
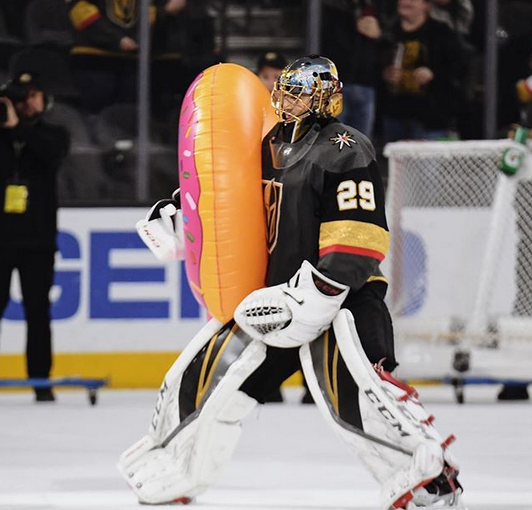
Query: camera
15,92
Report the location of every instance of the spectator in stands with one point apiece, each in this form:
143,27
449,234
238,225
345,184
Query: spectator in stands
106,46
104,51
183,45
184,28
423,72
269,67
515,50
31,152
457,14
351,35
524,90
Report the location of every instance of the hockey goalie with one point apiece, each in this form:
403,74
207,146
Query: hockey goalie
322,306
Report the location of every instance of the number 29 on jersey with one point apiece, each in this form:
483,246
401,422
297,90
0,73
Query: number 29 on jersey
352,195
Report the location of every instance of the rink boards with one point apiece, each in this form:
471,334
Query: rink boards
118,312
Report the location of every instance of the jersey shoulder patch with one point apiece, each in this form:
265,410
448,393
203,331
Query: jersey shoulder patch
344,139
342,148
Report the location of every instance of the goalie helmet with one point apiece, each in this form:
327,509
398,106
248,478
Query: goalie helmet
308,86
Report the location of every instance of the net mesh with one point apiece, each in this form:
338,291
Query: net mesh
448,180
485,220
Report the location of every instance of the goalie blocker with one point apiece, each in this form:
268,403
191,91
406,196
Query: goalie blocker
162,229
223,372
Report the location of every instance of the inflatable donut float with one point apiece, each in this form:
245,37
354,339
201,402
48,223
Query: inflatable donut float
224,116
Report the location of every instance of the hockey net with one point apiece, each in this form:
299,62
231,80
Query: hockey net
460,263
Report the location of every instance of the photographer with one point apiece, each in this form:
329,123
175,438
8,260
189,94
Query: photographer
31,152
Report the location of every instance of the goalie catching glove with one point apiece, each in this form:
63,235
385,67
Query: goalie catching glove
293,313
162,229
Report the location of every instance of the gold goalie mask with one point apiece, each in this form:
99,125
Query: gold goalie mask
307,86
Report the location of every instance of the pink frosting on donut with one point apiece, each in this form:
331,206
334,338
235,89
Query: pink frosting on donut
190,189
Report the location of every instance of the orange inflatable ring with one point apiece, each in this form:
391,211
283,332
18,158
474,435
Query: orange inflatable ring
224,116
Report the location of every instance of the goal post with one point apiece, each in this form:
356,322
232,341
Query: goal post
460,262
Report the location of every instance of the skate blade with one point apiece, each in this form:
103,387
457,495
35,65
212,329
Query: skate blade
175,502
459,506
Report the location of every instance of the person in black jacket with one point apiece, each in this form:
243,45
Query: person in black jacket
424,74
351,36
31,152
106,46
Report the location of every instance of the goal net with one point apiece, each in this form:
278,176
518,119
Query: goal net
460,263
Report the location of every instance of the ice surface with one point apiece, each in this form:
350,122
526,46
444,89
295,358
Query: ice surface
62,456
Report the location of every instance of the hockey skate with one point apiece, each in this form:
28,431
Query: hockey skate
443,493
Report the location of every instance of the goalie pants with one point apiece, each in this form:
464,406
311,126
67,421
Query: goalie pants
36,273
374,326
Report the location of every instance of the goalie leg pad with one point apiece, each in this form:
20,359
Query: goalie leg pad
184,453
166,414
392,433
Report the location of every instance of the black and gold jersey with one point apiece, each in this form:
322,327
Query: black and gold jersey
99,25
324,202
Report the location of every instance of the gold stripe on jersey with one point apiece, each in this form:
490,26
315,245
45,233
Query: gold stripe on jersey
83,14
356,237
89,50
377,279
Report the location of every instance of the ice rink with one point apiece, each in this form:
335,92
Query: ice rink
62,456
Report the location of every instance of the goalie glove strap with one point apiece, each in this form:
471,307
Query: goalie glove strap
327,288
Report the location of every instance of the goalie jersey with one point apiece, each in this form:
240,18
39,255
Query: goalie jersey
324,202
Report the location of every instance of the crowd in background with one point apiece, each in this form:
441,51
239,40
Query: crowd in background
86,55
419,64
412,69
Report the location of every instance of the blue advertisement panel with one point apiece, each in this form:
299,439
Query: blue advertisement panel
110,293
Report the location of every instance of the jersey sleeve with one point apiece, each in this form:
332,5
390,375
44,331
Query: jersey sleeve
354,235
98,31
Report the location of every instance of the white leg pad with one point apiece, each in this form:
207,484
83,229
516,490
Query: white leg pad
166,414
191,457
398,443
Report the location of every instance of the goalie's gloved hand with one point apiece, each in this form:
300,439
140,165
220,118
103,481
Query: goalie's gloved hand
293,313
162,229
